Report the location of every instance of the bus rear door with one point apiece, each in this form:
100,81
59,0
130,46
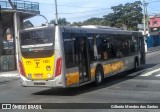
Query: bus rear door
84,64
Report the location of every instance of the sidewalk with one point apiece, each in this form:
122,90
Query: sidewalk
9,74
153,49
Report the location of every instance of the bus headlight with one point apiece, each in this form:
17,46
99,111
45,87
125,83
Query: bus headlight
29,75
48,68
49,75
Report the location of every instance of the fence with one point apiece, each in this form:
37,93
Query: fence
21,5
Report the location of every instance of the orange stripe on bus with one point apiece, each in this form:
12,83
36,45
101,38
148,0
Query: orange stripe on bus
114,67
72,78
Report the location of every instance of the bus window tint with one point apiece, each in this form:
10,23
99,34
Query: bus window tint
98,54
37,37
126,45
119,39
108,51
91,49
136,43
105,46
70,51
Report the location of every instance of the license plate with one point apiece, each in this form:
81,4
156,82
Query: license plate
39,75
39,83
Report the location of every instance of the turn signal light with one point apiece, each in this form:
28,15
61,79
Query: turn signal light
58,67
22,72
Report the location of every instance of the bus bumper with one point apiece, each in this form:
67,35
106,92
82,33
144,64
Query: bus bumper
42,83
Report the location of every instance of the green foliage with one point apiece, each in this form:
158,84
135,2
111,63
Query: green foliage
126,16
93,21
77,24
61,21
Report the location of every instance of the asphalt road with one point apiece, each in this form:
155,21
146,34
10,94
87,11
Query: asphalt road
142,86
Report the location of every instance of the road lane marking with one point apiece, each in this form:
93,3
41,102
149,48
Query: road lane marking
9,75
158,75
151,72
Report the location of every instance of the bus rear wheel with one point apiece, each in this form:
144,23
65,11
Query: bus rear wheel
99,76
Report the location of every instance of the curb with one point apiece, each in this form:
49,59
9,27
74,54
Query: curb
9,74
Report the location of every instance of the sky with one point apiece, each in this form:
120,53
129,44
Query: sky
80,10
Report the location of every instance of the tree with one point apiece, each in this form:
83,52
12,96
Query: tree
61,21
126,16
93,21
77,24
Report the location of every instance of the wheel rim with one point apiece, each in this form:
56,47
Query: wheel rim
99,77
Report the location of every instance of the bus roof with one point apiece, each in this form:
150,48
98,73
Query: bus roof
109,30
88,29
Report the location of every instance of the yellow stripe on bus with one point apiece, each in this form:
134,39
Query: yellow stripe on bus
93,72
72,78
114,67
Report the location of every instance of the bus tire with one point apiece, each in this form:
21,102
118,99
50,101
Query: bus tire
99,76
136,64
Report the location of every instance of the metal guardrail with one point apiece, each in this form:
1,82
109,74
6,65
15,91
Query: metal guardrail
21,5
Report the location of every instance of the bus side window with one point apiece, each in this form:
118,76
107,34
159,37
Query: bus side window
105,47
91,49
118,45
136,43
97,47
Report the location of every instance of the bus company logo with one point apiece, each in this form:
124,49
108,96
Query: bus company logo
28,62
6,106
37,64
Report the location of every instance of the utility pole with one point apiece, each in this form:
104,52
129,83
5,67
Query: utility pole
147,18
144,16
56,14
145,44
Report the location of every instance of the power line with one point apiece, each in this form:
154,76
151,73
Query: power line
154,1
153,8
86,16
69,6
85,11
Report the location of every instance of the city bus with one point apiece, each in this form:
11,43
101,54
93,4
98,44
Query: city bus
68,56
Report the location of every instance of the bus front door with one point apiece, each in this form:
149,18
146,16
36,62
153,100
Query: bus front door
84,66
143,47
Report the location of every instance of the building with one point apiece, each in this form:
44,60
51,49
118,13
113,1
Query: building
154,38
155,23
11,22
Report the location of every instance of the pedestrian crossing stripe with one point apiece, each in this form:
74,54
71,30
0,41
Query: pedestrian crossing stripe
151,72
158,75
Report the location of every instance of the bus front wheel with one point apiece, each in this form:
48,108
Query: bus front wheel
99,76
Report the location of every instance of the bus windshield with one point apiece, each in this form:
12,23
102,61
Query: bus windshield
38,38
